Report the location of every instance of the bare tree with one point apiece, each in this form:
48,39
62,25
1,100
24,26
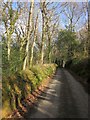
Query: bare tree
73,13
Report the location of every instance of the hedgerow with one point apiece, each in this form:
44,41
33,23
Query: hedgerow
17,87
81,67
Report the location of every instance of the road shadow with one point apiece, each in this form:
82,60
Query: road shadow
29,107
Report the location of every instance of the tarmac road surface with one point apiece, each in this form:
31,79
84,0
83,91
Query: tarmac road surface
64,98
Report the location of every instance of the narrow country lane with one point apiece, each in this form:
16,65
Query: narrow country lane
63,98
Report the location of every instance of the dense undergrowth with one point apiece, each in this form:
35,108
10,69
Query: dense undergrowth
80,67
17,87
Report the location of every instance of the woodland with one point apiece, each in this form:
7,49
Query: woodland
35,39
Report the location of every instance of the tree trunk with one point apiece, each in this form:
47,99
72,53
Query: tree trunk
32,50
26,61
9,50
49,54
42,52
34,38
27,57
8,45
43,32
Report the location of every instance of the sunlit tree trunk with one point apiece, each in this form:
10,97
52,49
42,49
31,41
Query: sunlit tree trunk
43,32
26,60
9,50
42,45
49,49
8,44
33,43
